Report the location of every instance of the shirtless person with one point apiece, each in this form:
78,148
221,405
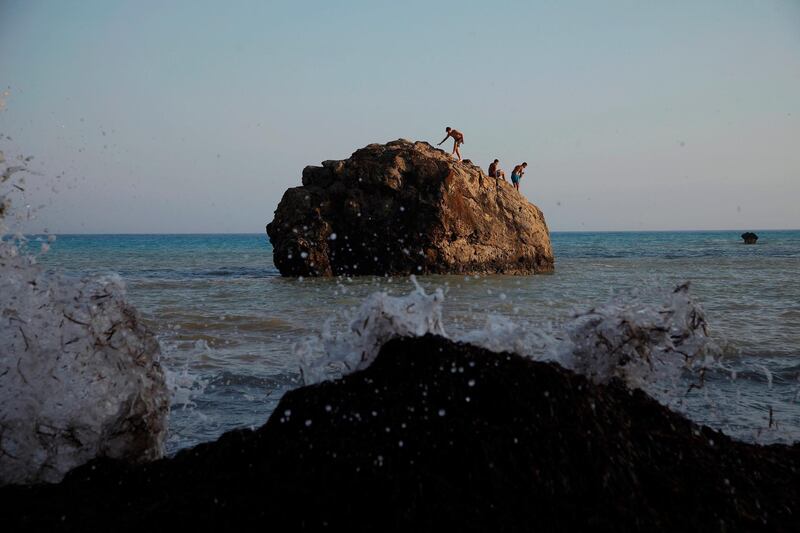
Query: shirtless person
516,174
495,171
458,140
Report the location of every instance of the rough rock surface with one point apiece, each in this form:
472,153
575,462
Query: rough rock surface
406,208
439,436
79,374
749,237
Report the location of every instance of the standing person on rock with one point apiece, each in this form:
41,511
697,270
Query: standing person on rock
516,174
495,171
458,140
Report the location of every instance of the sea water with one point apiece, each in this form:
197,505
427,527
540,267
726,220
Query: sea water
228,323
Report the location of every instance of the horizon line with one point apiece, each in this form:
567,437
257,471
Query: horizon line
551,232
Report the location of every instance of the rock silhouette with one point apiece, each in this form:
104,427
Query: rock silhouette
441,436
406,208
749,237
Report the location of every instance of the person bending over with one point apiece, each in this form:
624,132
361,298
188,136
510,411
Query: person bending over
517,173
458,140
495,171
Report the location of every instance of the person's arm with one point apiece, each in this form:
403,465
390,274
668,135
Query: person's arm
443,140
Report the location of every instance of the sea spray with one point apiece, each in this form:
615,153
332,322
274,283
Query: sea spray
184,387
641,343
379,318
660,345
79,373
648,346
80,376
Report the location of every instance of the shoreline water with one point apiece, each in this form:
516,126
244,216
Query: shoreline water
227,321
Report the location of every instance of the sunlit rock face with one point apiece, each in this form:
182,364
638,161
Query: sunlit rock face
79,374
405,208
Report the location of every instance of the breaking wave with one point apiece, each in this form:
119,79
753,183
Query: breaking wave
663,348
379,318
79,373
642,344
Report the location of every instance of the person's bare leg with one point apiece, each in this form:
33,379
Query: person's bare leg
458,152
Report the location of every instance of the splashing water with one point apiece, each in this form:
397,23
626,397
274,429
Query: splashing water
184,387
645,345
662,348
379,318
79,372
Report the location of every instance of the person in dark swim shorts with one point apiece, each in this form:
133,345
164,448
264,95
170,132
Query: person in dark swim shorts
495,171
458,140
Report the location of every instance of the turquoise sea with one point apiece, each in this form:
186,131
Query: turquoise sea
227,321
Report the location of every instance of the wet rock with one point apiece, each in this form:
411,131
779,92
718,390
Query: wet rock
406,208
749,237
441,436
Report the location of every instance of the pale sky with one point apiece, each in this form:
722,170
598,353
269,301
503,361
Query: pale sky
196,116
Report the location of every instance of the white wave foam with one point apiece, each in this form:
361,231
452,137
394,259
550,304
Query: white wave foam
184,385
656,340
646,345
379,318
79,372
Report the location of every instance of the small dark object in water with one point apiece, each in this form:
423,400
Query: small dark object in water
749,237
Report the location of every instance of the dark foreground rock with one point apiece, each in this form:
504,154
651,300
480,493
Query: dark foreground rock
406,208
437,436
749,237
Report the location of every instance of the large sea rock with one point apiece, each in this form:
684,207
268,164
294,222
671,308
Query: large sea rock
406,208
440,436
